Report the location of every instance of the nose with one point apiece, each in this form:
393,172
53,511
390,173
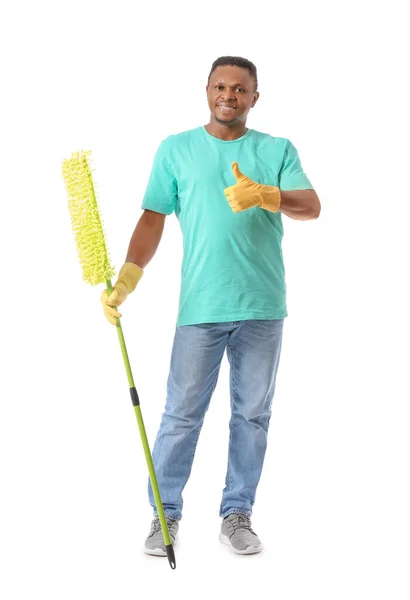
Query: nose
228,94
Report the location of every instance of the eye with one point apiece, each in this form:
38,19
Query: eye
240,89
219,87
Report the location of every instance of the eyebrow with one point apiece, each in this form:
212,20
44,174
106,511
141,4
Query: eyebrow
234,85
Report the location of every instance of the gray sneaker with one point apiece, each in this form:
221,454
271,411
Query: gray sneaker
236,532
154,544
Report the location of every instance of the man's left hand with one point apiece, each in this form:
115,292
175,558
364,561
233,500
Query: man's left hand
246,193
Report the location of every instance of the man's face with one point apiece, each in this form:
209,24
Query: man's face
231,94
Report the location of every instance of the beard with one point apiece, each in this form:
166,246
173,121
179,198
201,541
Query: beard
225,121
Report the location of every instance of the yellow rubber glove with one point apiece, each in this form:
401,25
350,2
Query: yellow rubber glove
246,193
127,281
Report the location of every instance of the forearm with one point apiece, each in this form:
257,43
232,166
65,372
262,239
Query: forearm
144,241
301,205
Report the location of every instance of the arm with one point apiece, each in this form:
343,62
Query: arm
301,205
159,201
146,238
298,199
142,247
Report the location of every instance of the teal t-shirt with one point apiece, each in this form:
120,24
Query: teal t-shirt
232,267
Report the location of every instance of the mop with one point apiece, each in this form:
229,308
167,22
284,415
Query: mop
96,267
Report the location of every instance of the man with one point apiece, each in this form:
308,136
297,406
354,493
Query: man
228,186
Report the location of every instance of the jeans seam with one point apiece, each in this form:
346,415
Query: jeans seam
196,440
234,392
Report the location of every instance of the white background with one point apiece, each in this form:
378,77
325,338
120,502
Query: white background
332,504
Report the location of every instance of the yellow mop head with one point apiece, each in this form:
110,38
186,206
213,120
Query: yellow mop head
85,219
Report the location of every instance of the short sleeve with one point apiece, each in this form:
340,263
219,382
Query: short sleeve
162,190
291,175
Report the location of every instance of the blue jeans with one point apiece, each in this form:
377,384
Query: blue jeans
253,350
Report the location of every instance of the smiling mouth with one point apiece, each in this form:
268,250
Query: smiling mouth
226,108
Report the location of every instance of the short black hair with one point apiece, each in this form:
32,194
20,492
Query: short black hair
235,61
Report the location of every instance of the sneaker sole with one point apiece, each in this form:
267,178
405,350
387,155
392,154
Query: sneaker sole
250,550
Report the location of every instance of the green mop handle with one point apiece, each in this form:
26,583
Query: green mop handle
153,477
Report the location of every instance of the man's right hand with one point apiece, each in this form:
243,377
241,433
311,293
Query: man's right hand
127,281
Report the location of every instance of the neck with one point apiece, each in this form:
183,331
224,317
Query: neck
227,132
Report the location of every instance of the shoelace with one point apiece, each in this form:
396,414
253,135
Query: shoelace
157,525
241,522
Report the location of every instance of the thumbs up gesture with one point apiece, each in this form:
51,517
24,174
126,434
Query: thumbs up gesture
246,193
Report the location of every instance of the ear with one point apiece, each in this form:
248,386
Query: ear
255,99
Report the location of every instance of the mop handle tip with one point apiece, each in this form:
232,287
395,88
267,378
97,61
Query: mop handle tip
171,556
